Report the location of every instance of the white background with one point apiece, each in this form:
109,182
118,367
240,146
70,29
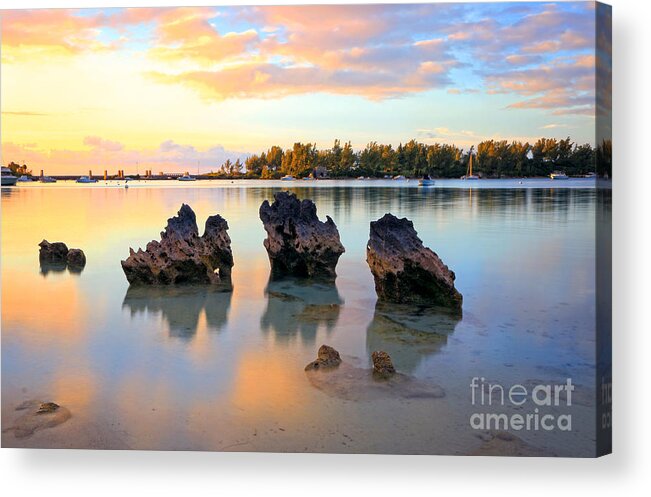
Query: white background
626,472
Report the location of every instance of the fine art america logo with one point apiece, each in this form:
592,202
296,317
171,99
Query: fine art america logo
535,401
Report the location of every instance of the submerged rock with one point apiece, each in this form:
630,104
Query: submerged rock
382,364
404,270
182,256
298,244
37,416
52,252
327,357
409,333
76,258
361,384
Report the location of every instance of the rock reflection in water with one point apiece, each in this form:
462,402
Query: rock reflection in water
50,268
181,306
300,307
409,333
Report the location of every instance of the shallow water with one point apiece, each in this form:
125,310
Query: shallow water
189,368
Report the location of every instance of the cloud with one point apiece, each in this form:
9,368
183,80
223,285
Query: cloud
169,156
565,85
361,50
24,113
99,144
373,51
553,126
47,32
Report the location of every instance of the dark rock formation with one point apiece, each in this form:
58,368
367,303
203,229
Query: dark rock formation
52,252
76,258
298,244
382,364
404,270
182,256
327,357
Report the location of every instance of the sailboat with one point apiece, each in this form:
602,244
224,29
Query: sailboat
469,174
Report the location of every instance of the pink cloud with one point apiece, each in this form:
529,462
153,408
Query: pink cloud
169,156
53,29
99,144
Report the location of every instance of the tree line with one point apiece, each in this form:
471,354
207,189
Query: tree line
491,159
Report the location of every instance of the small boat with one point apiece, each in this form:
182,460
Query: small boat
86,179
287,178
361,178
426,181
47,179
400,177
8,178
469,174
590,175
24,179
187,177
558,175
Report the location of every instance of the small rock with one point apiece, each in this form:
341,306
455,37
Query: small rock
47,407
327,357
52,252
76,258
382,364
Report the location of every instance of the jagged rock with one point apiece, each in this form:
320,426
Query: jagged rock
404,270
76,258
327,357
182,256
382,364
52,252
298,244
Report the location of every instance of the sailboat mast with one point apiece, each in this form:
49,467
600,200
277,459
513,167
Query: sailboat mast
470,174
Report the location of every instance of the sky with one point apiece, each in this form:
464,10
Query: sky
175,89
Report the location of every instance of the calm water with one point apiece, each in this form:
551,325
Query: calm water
188,368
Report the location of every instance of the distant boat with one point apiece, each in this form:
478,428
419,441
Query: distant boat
426,181
24,179
287,178
558,175
590,175
8,178
186,177
469,174
400,177
86,179
47,179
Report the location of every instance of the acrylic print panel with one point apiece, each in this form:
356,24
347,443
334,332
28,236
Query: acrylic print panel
386,228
